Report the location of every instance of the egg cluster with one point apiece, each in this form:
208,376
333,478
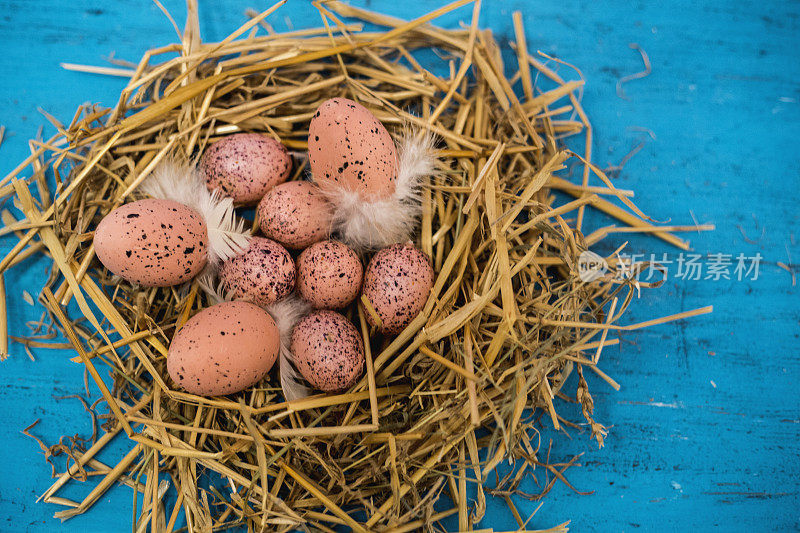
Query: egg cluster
314,236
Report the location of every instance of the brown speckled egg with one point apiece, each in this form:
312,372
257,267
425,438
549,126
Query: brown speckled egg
397,283
296,214
245,166
155,243
329,275
223,349
328,351
263,274
349,148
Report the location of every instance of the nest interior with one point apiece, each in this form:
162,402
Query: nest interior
443,403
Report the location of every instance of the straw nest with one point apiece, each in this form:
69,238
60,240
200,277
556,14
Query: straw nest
441,404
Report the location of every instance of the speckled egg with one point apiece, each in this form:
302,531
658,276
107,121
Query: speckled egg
223,349
328,351
329,275
296,214
155,243
349,148
263,273
397,283
245,166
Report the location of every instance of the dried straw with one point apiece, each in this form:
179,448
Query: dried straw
506,322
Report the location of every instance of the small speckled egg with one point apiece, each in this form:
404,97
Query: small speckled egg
223,349
349,148
263,273
328,351
397,283
329,275
155,243
245,166
296,214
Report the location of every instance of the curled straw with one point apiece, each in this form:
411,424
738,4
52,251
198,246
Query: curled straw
507,320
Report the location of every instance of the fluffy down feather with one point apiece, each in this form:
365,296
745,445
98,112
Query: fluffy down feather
182,183
287,313
209,284
366,225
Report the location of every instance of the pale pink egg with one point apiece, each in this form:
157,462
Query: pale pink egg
329,275
155,243
328,351
296,214
397,283
245,166
349,148
263,273
223,349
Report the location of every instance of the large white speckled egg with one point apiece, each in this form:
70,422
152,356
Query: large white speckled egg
349,148
328,351
329,275
263,273
296,214
223,349
397,283
155,243
245,166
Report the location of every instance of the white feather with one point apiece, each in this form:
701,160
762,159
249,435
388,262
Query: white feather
371,225
209,284
287,313
182,183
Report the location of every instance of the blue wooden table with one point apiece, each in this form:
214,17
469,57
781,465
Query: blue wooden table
705,429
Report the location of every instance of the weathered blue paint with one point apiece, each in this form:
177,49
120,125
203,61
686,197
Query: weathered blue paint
705,428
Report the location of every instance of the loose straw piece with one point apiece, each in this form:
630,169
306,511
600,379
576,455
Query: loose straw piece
471,387
477,186
603,335
522,56
103,486
321,431
654,322
373,396
3,319
639,75
91,452
449,364
104,71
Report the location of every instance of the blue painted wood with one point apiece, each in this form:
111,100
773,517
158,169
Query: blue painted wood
705,428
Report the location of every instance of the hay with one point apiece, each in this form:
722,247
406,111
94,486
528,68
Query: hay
507,320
